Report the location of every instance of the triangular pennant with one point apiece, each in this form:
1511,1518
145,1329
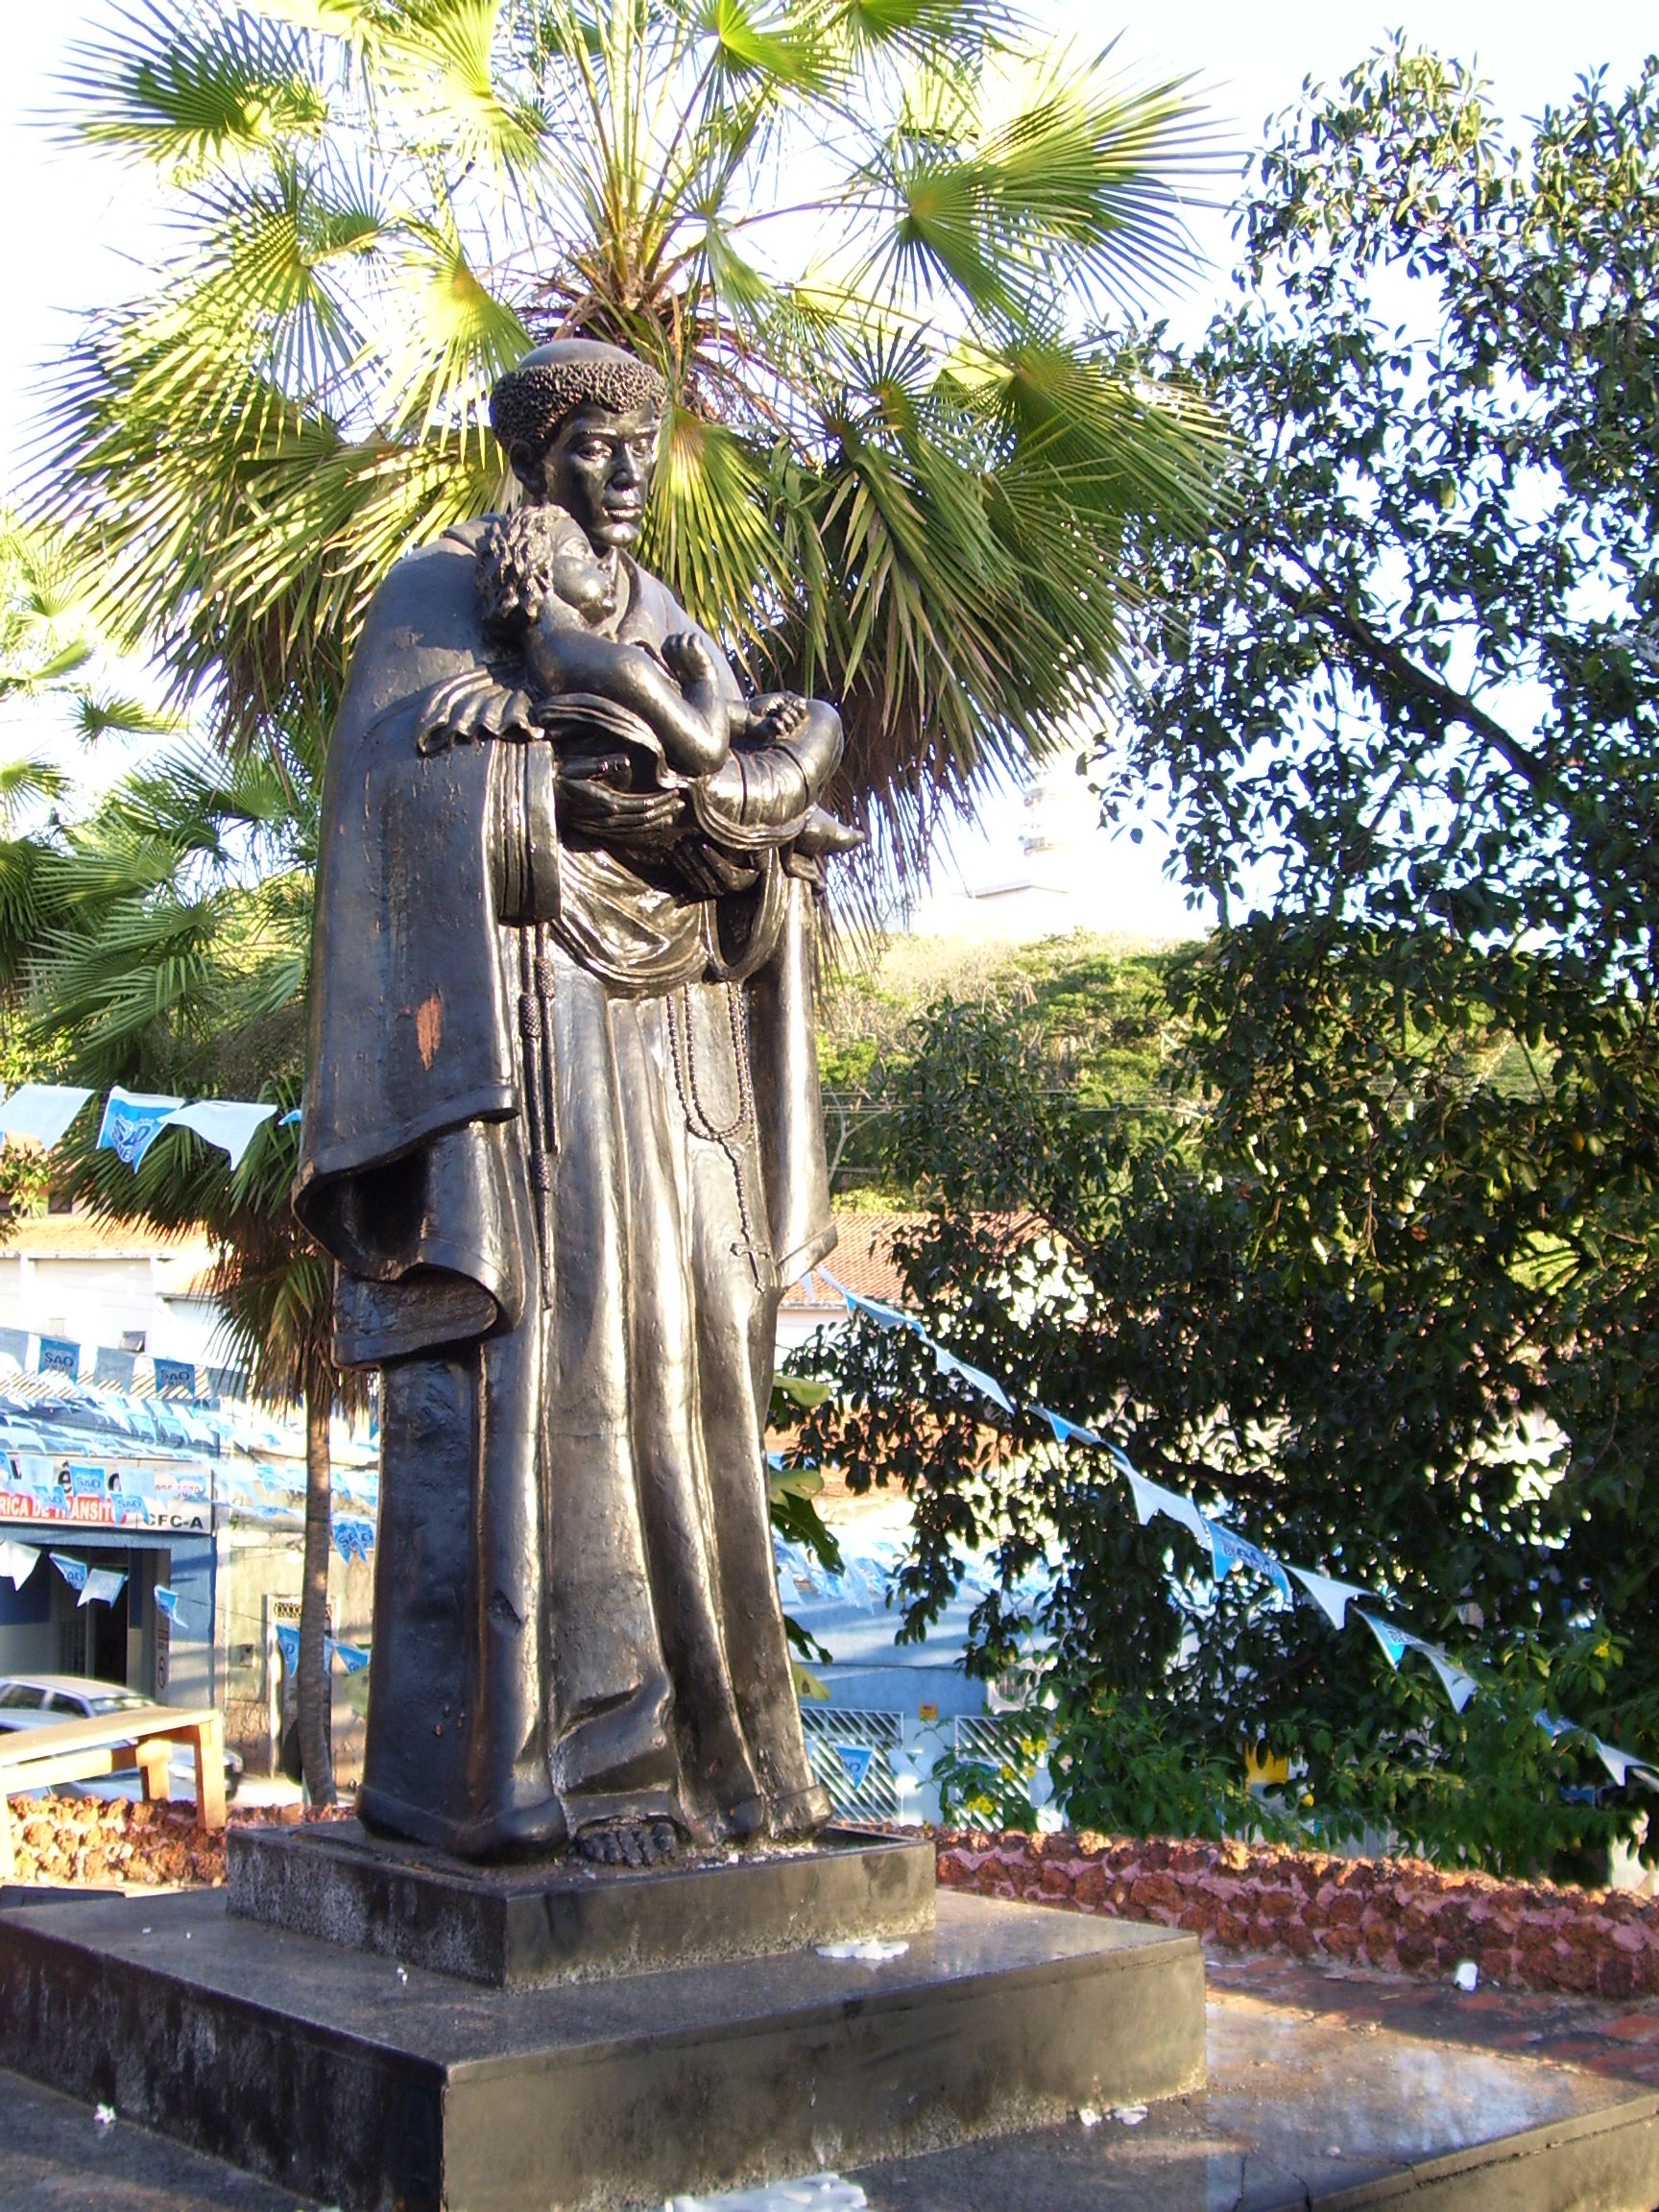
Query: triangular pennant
1152,1498
1228,1551
1458,1684
1333,1598
102,1587
17,1561
1625,1766
948,1364
228,1124
132,1120
855,1760
1391,1638
1066,1431
73,1571
887,1317
42,1112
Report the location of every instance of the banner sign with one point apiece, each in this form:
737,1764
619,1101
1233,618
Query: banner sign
32,1488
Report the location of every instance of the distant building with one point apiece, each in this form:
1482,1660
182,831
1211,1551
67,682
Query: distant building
105,1287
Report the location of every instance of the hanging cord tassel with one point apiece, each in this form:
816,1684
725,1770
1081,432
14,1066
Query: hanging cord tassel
535,1029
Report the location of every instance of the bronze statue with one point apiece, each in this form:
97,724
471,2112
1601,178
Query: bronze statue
563,1137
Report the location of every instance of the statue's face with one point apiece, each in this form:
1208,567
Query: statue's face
598,468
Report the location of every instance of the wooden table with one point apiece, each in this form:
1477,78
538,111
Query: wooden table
82,1751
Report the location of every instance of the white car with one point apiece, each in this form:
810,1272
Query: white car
39,1700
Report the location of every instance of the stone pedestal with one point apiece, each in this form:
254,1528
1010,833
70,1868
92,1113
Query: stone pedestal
564,1920
384,2087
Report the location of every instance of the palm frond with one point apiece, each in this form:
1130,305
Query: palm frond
435,61
181,90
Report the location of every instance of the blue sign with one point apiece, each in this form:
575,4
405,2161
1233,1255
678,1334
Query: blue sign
58,1357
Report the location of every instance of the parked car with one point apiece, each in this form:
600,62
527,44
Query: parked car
39,1700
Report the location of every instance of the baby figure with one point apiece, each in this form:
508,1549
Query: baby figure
542,586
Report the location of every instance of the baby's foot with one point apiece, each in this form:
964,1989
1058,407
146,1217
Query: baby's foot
693,666
776,716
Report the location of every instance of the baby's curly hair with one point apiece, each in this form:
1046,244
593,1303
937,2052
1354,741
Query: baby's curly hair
514,563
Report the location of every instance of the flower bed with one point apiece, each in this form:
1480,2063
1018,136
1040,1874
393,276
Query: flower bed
68,1839
1398,1914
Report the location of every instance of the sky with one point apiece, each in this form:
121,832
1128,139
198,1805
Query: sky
76,223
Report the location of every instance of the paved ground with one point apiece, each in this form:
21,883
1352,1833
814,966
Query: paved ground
1321,2082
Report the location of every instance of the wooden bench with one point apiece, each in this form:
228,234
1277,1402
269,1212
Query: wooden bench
82,1751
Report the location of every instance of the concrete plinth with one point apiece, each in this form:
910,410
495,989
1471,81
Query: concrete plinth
384,2088
564,1920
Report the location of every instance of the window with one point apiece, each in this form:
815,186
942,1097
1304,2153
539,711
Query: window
21,1697
60,1701
118,1701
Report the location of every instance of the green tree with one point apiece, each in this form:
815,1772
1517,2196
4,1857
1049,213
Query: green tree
56,665
1392,1292
872,246
165,946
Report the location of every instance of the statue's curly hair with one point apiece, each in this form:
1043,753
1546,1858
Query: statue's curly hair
531,401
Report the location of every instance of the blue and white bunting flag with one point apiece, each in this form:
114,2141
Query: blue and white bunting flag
1229,1551
1621,1766
167,1601
102,1587
948,1364
1458,1684
288,1644
1391,1638
352,1656
17,1561
132,1120
1152,1498
1066,1431
229,1124
855,1759
885,1316
73,1571
42,1112
1333,1598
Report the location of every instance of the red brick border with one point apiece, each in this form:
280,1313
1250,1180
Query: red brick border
1398,1914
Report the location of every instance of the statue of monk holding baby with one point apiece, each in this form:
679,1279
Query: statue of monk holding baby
563,1138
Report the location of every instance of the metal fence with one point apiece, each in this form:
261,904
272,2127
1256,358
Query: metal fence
851,1752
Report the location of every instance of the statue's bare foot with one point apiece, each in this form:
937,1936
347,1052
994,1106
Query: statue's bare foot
630,1843
692,663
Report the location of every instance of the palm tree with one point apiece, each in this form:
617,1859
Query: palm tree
165,945
874,245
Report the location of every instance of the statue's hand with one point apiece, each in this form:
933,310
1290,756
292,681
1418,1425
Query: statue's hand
590,803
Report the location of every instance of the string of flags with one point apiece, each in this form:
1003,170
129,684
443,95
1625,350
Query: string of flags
132,1120
352,1657
92,1585
1226,1550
